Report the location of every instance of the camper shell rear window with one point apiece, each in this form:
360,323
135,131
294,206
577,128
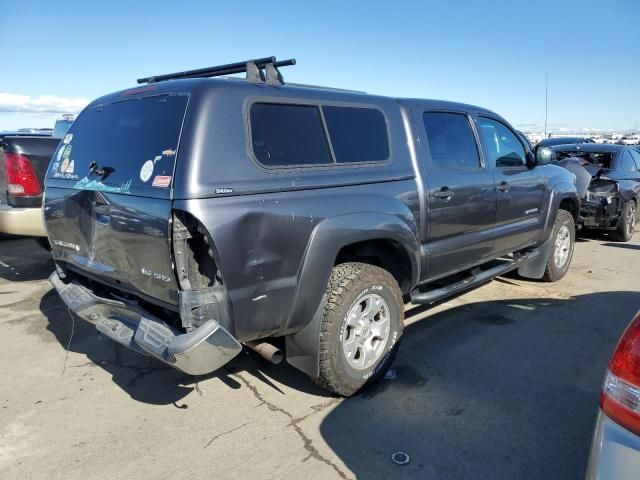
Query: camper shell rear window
129,143
287,135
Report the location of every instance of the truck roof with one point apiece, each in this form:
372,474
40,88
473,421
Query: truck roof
202,85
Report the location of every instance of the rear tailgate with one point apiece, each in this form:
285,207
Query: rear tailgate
108,194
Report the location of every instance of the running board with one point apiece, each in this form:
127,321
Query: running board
474,280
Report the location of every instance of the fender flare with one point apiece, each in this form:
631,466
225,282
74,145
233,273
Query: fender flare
326,241
559,192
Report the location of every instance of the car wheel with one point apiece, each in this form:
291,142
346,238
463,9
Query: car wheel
627,222
362,322
44,243
563,238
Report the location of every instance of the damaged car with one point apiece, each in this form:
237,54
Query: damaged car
608,182
198,213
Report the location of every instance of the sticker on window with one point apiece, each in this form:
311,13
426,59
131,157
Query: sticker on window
146,171
161,181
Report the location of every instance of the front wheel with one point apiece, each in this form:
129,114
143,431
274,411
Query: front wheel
563,239
362,322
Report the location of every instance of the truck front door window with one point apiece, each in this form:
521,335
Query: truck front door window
502,147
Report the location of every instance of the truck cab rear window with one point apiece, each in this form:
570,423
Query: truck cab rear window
286,135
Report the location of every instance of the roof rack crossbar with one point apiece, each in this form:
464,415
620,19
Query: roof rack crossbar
228,69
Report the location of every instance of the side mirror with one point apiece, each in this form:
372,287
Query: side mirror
530,159
544,156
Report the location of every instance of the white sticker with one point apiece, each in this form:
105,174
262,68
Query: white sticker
67,138
146,171
65,165
71,167
157,159
59,156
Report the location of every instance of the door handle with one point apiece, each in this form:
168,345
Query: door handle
444,194
503,187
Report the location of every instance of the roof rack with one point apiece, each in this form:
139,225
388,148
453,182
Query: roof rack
253,69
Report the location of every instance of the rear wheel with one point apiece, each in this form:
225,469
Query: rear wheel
44,243
627,222
361,326
563,238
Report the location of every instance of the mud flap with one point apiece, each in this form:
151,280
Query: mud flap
302,347
536,267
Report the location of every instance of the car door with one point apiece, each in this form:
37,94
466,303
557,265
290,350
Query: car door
460,191
635,153
521,199
628,172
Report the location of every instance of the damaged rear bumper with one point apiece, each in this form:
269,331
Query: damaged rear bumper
198,352
600,214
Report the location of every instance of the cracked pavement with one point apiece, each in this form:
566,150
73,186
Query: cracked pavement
501,382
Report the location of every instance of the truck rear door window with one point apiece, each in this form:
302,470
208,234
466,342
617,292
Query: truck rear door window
357,134
451,141
284,135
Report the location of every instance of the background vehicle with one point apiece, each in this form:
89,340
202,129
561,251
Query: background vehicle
335,205
26,132
24,159
615,451
611,190
549,142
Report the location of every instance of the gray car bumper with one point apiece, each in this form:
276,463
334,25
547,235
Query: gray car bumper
615,452
198,352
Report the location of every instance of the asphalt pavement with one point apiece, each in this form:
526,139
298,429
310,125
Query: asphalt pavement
501,382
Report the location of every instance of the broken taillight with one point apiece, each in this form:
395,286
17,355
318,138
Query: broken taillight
21,178
620,397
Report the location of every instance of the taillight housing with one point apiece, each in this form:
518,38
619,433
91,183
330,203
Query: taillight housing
21,178
620,397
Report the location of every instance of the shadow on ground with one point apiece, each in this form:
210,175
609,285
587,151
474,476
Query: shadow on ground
146,379
22,259
501,389
628,246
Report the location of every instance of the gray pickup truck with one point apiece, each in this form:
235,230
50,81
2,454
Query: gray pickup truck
192,215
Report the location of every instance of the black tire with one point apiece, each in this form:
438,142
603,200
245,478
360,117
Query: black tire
44,243
349,284
627,223
554,271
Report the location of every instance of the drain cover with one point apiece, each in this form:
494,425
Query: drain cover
400,458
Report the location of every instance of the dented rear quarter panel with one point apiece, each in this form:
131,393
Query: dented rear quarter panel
277,249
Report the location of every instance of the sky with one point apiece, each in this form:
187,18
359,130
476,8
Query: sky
57,56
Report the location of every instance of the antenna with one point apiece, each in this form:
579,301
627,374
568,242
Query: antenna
546,104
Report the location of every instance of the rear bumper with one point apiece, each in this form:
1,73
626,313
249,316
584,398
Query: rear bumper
22,221
599,214
198,352
615,452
